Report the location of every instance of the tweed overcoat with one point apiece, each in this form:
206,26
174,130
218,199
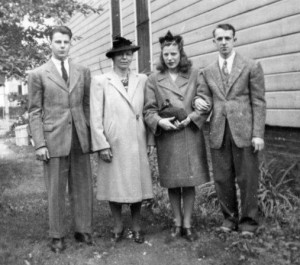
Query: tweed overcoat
242,103
117,123
181,155
54,106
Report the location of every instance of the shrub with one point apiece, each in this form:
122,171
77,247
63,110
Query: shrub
275,195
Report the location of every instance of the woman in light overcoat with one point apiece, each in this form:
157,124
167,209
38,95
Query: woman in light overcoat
181,152
119,136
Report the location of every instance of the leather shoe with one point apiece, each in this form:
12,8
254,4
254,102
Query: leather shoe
138,237
117,236
57,245
189,234
176,231
83,238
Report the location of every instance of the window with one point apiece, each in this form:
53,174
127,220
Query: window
143,37
116,20
20,89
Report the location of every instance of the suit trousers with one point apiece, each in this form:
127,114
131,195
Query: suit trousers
232,165
74,170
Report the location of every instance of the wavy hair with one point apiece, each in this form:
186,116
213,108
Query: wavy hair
169,39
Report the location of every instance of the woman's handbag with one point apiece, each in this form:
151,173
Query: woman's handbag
168,110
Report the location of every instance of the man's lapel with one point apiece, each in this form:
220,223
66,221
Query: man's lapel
74,75
216,73
237,68
55,76
165,81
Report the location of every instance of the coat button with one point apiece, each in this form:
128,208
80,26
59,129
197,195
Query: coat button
181,98
137,117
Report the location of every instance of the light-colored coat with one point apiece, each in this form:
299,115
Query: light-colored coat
242,103
182,159
53,106
117,123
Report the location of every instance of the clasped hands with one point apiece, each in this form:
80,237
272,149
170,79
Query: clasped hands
169,124
257,142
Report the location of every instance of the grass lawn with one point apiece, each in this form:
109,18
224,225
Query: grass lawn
24,227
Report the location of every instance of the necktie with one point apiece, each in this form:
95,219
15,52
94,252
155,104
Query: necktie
64,72
225,69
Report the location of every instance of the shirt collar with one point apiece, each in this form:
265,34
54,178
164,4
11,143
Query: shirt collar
229,61
58,61
58,64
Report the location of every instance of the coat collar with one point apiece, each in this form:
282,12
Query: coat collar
55,76
165,81
117,84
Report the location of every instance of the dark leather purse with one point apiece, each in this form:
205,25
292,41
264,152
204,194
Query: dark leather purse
168,110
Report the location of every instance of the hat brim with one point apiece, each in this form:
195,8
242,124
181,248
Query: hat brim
113,51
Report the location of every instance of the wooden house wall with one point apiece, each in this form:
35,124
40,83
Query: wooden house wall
267,30
95,32
128,24
95,38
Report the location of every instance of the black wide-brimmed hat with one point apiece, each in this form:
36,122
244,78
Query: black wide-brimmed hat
121,44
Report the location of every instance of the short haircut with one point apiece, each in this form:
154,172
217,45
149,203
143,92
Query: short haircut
225,27
60,29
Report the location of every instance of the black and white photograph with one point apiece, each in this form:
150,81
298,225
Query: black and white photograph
143,132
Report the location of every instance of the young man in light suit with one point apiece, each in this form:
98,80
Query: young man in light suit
233,89
59,122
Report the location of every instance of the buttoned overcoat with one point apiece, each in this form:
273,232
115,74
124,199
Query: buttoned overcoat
117,123
181,154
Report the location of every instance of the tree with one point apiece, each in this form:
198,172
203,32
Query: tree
21,46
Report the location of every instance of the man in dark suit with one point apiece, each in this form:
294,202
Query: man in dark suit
59,122
233,89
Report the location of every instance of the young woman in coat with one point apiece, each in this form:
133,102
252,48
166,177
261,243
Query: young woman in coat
181,153
119,136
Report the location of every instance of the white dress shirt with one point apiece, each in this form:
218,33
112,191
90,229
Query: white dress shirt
229,61
57,63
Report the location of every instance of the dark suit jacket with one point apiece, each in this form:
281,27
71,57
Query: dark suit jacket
54,106
242,104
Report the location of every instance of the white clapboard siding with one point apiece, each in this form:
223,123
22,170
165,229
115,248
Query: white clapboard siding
284,63
259,16
204,13
127,7
128,17
267,31
157,5
95,32
267,48
244,23
283,117
276,29
283,82
283,100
